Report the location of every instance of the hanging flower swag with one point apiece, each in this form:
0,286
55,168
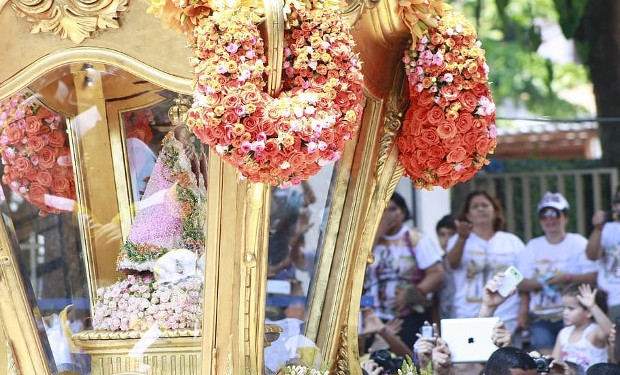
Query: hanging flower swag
284,140
449,128
36,159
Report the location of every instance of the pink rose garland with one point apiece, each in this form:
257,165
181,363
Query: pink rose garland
285,140
37,163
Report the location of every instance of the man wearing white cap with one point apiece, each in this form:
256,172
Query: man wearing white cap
549,262
604,246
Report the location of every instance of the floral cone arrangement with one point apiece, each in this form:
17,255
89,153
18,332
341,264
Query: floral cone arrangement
284,140
170,214
35,155
449,128
165,281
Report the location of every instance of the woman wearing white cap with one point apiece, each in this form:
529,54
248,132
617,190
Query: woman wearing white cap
548,263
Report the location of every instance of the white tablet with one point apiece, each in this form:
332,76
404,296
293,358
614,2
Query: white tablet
469,340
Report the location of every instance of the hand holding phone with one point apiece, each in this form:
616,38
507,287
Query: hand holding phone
427,330
512,278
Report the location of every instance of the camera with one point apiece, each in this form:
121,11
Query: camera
542,364
384,359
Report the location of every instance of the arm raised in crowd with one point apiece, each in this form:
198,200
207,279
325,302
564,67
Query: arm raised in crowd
594,250
455,255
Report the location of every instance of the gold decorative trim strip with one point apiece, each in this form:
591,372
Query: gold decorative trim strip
73,19
275,44
11,365
342,357
122,335
92,55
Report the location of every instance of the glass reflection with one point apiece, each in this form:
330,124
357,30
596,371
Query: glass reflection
298,219
106,195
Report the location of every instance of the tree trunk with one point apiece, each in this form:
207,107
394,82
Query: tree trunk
601,32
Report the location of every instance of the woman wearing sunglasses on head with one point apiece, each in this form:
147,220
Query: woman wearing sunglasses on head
548,263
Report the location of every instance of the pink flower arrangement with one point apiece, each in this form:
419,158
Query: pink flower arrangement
285,140
35,155
138,302
303,370
449,128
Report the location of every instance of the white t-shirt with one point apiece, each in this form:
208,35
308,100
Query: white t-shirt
541,258
392,267
481,260
609,264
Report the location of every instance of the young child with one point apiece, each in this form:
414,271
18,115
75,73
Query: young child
583,340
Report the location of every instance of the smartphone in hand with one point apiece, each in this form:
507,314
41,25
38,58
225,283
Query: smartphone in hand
512,278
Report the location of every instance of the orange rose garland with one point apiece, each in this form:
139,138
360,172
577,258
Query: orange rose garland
285,140
450,126
36,160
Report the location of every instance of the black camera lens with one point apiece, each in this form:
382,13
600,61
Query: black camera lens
542,364
384,359
381,356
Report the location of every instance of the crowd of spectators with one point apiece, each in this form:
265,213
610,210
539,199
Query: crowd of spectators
556,316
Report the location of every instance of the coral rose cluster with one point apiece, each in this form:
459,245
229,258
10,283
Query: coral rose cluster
283,140
449,128
138,302
35,155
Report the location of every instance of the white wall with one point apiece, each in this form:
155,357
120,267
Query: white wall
431,206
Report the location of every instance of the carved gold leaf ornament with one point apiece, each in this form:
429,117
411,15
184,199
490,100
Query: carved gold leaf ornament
419,15
73,19
342,357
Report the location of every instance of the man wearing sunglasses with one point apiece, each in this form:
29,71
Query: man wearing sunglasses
548,263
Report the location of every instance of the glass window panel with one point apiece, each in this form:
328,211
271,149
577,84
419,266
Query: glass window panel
298,220
105,196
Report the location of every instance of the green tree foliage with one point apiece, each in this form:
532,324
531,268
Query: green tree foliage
510,37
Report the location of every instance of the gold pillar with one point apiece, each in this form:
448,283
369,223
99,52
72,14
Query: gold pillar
21,331
94,175
235,273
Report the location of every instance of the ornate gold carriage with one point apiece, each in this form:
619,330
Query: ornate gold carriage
97,63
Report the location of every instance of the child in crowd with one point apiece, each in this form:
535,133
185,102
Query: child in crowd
445,229
584,338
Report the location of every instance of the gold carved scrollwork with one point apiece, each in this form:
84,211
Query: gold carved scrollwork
342,357
391,127
73,19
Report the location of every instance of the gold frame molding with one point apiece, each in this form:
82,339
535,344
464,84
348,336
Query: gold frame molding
73,19
93,55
